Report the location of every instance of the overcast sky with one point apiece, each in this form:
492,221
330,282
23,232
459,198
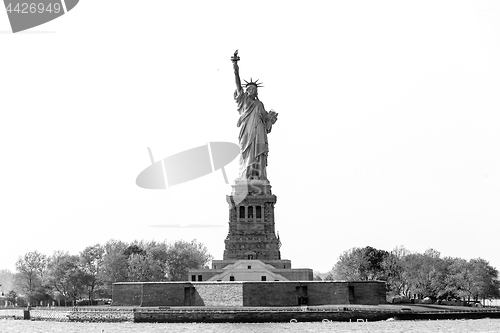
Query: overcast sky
388,128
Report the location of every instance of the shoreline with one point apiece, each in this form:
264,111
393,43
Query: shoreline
332,313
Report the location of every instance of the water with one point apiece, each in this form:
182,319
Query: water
441,326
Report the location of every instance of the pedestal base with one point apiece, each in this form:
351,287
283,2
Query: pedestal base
251,187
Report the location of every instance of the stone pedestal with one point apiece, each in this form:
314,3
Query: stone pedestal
251,233
252,249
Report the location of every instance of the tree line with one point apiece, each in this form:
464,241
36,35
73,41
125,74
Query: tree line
64,277
413,274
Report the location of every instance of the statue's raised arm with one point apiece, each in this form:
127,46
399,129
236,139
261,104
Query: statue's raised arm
235,58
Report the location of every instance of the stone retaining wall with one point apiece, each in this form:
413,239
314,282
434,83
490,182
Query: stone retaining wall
48,314
11,314
269,293
259,316
108,316
71,314
239,315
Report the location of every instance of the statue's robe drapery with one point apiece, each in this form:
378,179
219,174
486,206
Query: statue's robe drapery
254,126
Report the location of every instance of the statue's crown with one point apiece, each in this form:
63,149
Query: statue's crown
255,83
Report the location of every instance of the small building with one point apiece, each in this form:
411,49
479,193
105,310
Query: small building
251,270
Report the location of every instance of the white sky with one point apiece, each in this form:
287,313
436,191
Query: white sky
388,130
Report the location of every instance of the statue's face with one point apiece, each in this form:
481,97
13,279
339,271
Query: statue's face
252,90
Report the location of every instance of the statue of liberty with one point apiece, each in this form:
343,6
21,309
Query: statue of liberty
255,123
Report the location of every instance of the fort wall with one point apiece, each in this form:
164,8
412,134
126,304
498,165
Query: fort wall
234,294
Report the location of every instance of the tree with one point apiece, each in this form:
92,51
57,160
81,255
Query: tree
394,267
422,274
487,284
359,264
30,273
473,279
65,276
6,280
133,249
114,264
373,260
426,273
459,282
182,256
144,268
348,266
148,262
91,262
11,297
